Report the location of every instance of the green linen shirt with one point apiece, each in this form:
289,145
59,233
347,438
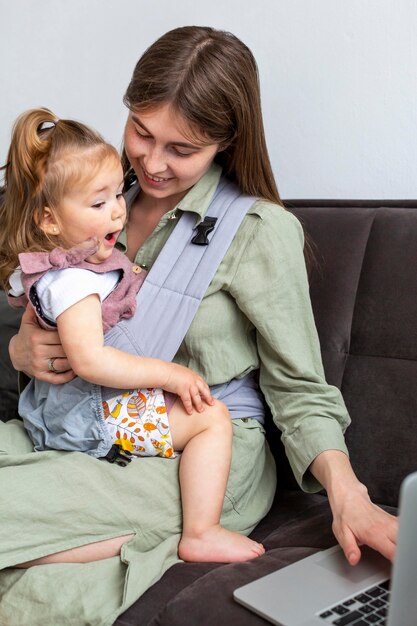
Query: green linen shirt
256,314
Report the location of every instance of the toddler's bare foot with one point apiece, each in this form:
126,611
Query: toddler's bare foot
218,545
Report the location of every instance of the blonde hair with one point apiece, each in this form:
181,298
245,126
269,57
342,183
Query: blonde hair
47,156
211,78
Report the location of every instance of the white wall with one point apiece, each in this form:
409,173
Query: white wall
339,78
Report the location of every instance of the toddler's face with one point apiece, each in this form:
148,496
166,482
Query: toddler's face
96,209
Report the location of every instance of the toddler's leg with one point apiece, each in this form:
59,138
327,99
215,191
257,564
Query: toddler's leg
206,441
83,554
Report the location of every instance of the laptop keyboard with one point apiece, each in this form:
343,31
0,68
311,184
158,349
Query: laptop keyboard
367,607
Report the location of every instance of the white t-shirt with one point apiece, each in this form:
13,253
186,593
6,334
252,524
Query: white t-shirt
60,289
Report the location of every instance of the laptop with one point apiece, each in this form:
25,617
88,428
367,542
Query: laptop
324,589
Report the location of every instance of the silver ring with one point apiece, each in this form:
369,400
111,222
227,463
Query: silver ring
51,366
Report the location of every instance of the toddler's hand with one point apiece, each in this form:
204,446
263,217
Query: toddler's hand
189,386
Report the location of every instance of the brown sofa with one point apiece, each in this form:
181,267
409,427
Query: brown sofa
364,294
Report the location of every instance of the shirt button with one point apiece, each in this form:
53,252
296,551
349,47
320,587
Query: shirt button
136,269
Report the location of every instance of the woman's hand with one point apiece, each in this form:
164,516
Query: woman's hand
32,349
189,386
356,520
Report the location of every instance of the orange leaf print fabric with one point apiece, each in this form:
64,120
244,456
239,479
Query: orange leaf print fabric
134,420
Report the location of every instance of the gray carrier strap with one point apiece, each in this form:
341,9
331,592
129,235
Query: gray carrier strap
170,296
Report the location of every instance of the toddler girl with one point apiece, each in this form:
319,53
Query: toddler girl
63,210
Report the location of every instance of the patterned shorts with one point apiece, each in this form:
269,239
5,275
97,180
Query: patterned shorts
138,422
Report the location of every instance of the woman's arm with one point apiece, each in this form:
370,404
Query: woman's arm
356,520
32,348
271,288
81,333
310,413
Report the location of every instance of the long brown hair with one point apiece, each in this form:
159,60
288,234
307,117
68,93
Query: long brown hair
211,78
46,157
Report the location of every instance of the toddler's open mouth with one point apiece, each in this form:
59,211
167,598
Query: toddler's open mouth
111,238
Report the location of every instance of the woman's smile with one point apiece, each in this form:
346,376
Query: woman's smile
157,180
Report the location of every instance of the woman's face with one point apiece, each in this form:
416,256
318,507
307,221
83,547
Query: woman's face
166,162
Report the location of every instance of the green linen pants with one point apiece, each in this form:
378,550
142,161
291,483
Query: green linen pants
52,501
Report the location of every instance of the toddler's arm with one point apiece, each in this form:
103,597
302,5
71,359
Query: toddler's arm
81,332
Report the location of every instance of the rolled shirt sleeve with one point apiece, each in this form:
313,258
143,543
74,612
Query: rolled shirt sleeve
271,288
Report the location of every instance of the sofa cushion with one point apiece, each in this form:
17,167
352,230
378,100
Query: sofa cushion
298,525
202,593
10,320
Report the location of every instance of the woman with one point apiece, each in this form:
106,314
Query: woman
194,112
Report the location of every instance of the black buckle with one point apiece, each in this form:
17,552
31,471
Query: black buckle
130,180
203,229
118,455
